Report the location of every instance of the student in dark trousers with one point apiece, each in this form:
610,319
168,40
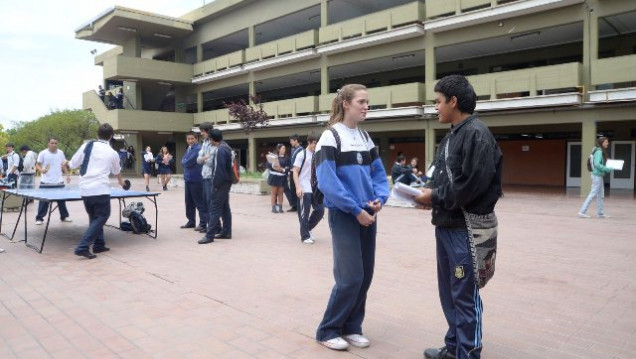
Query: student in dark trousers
354,183
193,186
290,191
474,159
219,204
97,160
301,174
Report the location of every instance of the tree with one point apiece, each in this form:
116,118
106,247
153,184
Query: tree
4,137
248,117
70,127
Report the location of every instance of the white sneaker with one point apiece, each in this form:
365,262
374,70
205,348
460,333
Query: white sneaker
311,235
604,216
357,340
67,219
38,222
308,241
336,344
583,215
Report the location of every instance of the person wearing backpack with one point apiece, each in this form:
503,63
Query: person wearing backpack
96,160
27,175
352,178
301,175
599,170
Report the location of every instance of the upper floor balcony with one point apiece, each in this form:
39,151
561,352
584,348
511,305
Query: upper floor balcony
124,67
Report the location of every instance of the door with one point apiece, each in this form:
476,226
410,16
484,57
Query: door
573,175
623,150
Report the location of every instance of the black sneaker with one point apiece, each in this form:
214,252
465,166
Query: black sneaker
100,249
85,254
441,353
293,209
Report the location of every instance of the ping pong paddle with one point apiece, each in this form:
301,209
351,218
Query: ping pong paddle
126,185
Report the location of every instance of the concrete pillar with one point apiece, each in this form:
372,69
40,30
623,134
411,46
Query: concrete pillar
324,75
251,36
590,43
324,13
251,153
199,53
180,149
588,140
429,64
429,142
132,47
199,101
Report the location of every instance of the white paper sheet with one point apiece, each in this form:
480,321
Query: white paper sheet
616,165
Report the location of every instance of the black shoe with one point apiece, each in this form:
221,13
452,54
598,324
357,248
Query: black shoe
223,236
206,240
293,209
147,189
85,254
201,229
187,226
100,249
165,188
441,353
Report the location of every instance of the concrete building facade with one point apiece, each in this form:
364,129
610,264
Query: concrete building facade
551,75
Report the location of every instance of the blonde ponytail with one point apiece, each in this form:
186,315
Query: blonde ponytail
346,93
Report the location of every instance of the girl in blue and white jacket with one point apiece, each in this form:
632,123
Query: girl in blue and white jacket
353,180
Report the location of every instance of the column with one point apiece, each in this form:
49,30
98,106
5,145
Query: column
429,65
324,13
251,36
324,75
199,101
251,153
590,44
429,142
588,139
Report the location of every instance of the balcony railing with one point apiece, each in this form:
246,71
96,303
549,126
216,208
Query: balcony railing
120,67
292,107
532,80
411,94
375,22
437,8
220,63
614,70
282,46
216,117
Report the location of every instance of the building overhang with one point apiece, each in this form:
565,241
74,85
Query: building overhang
567,99
118,24
614,95
393,35
514,9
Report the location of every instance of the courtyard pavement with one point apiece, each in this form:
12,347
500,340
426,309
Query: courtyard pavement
565,287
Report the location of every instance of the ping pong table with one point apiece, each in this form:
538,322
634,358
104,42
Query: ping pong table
67,194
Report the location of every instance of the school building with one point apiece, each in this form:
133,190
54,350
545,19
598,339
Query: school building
551,75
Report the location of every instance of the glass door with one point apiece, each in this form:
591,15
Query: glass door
573,170
623,150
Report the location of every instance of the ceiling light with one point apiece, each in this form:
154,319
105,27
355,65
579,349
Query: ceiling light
162,35
403,57
525,36
129,29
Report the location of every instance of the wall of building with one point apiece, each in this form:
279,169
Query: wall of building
534,162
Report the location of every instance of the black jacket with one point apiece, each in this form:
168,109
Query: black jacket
401,173
475,162
223,170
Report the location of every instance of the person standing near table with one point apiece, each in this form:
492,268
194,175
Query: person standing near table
97,161
50,163
193,186
290,190
146,166
13,160
219,198
27,177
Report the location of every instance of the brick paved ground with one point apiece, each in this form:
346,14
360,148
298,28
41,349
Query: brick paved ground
565,287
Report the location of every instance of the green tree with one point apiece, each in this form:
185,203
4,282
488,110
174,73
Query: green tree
4,138
70,127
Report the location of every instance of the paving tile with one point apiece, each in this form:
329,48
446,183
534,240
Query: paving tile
564,286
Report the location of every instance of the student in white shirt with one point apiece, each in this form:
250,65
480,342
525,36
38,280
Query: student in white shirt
301,173
50,164
13,160
27,176
97,161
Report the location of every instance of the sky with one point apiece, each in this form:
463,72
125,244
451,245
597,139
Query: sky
43,67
